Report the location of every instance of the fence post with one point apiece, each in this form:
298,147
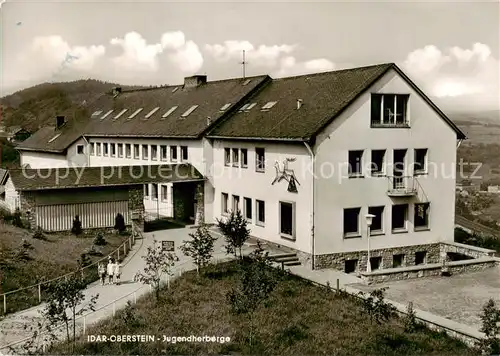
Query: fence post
338,285
4,304
118,254
124,248
84,324
39,293
114,308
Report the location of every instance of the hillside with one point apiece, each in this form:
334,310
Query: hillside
37,106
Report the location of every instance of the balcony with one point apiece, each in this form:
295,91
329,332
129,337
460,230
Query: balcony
404,186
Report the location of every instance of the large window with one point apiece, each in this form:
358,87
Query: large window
173,153
287,220
154,191
163,152
377,164
355,163
113,149
137,151
120,150
421,216
420,163
377,222
128,150
247,207
98,148
399,217
146,190
236,203
154,152
260,159
389,110
106,149
224,203
164,192
261,212
79,149
244,158
227,156
184,153
351,222
236,157
145,151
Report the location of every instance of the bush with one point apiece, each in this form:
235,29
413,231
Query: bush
77,226
38,234
99,239
16,219
84,260
120,223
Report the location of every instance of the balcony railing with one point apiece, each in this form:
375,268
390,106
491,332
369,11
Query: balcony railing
402,186
394,124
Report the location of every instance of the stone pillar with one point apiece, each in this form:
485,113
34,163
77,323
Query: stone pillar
136,204
200,203
28,208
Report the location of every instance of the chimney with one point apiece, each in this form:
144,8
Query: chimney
194,81
60,121
299,103
209,120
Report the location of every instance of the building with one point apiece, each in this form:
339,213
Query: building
14,133
305,158
493,189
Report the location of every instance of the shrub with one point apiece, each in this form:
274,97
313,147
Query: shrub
120,223
200,247
99,239
410,319
490,318
38,234
16,219
77,226
376,307
84,260
235,231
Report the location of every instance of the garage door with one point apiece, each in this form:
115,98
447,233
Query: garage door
92,215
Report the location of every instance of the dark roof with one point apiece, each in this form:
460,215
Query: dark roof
3,174
210,96
81,177
324,97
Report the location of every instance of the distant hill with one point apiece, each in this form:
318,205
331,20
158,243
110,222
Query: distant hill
37,106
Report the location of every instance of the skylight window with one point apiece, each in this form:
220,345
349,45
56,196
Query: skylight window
250,106
244,107
120,113
225,107
97,113
151,113
175,89
171,110
135,113
269,105
106,114
54,138
189,111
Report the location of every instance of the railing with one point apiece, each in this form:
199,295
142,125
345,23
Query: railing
126,246
402,185
398,124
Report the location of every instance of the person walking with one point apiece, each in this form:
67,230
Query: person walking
118,272
102,273
111,271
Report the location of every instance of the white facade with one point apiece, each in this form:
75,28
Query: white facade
9,200
38,160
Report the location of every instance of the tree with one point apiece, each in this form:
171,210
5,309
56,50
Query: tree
200,247
67,296
159,262
235,231
490,317
77,226
258,280
120,223
377,308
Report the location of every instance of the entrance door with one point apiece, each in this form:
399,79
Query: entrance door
399,169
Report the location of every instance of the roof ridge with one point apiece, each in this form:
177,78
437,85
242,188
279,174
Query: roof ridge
387,64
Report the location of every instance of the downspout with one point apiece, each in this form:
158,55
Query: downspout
87,153
313,159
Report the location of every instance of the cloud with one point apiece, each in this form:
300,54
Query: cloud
290,67
456,72
262,55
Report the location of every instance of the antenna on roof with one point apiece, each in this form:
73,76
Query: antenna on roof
244,63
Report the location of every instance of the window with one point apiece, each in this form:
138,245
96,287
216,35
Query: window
377,165
106,149
128,150
154,152
225,107
92,149
154,191
421,216
146,190
120,150
247,207
98,148
163,152
261,212
164,192
106,114
227,156
350,266
251,106
184,153
244,158
189,111
351,222
420,164
236,160
389,110
135,113
79,149
399,217
171,110
151,113
236,203
420,257
287,220
375,263
260,159
269,105
355,163
224,202
398,261
244,107
145,151
377,221
120,113
173,153
113,149
137,151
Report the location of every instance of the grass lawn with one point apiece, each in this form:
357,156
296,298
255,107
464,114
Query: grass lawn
57,255
298,319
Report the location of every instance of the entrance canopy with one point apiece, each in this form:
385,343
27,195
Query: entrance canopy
109,176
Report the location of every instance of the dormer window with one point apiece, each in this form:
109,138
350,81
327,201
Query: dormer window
269,105
389,110
189,111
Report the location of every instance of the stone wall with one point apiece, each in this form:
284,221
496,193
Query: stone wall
28,208
467,250
136,203
337,260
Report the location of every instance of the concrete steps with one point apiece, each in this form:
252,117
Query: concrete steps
285,259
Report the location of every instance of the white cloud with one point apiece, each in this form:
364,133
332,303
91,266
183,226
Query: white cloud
290,67
472,73
262,55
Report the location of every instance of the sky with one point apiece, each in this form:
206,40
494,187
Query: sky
450,49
